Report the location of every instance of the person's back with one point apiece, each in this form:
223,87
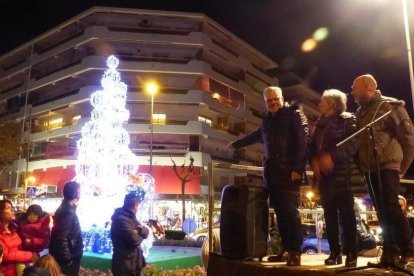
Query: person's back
35,271
49,263
66,244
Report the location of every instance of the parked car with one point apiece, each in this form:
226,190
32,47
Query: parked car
310,240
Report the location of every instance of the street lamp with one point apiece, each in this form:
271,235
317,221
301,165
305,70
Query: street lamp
408,42
152,89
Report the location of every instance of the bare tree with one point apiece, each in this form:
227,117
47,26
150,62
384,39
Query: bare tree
10,143
185,174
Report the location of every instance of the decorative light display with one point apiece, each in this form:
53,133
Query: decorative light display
106,168
104,159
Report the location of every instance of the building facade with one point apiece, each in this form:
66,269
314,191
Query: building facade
211,85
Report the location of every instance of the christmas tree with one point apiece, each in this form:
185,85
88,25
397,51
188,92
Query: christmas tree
104,158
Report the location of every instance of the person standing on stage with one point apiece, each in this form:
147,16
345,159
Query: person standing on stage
394,144
284,134
337,199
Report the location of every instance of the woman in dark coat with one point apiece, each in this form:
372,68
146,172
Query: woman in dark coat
335,182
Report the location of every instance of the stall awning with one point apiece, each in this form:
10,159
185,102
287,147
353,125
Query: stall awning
57,176
166,182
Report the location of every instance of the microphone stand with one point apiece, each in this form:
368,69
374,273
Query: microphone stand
378,202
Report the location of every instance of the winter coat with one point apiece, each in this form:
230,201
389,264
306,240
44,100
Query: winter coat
394,136
126,235
330,130
12,253
284,134
66,243
38,233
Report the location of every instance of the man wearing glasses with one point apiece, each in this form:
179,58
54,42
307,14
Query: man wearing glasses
284,134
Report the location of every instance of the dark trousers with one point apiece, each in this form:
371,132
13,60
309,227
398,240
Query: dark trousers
71,270
396,229
338,207
284,198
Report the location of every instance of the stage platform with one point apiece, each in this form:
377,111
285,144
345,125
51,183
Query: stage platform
312,265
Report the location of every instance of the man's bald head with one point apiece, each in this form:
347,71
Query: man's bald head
364,88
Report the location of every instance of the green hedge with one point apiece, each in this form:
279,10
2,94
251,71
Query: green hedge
174,235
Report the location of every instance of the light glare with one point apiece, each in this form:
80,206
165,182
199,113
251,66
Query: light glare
309,45
320,34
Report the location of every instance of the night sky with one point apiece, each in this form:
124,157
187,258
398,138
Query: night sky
365,36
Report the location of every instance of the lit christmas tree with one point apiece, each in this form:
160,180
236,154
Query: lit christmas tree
106,168
104,158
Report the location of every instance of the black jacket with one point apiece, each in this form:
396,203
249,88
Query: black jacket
327,133
127,235
284,135
66,243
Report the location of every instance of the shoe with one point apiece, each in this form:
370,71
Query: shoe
351,260
334,259
279,258
293,259
391,257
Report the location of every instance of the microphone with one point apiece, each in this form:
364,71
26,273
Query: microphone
396,103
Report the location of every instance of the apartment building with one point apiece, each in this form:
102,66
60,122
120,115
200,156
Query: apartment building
210,82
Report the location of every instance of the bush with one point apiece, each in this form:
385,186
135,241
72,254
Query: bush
174,235
184,243
150,270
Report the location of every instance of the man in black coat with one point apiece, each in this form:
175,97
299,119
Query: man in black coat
284,133
127,234
66,244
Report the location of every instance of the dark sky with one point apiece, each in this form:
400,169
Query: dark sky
366,36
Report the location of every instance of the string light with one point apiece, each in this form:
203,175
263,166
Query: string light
106,167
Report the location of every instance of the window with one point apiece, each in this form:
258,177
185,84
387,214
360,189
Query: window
159,119
53,124
205,120
76,119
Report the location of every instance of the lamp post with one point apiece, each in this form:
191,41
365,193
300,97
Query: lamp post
408,42
151,88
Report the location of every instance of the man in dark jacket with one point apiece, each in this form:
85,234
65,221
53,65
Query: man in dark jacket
394,144
284,134
127,234
66,243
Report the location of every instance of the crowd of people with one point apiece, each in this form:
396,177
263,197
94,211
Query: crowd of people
378,158
25,241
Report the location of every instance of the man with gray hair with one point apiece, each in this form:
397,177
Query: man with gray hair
284,134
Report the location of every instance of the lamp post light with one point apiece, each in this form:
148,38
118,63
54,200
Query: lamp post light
151,88
408,44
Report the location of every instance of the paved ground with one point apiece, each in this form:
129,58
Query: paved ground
311,265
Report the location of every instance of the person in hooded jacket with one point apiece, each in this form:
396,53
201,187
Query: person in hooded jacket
127,235
34,229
